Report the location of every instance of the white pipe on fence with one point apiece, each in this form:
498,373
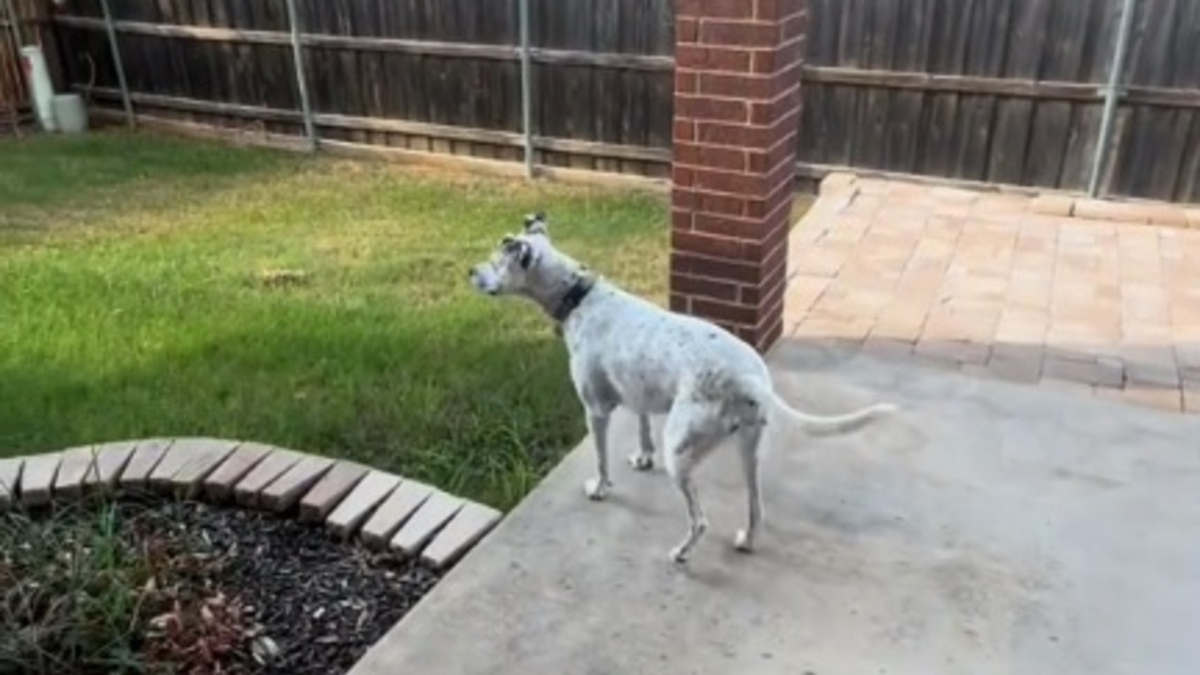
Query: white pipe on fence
310,129
526,87
109,28
41,89
1111,94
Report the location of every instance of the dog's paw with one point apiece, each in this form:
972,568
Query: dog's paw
596,489
641,462
743,542
678,555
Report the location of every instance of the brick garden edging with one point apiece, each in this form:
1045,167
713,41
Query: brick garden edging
350,499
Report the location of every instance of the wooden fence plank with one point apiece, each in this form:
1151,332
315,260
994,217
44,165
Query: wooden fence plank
496,52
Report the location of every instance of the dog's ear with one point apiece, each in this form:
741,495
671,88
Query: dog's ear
535,223
521,249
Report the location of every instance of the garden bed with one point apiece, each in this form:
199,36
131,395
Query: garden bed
147,585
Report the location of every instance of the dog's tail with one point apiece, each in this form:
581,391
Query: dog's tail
822,424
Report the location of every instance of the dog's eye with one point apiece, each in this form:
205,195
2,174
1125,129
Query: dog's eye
511,245
526,258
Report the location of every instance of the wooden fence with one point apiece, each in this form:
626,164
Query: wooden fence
996,91
1006,91
14,104
425,75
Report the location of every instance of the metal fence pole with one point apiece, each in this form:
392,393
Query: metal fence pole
526,87
14,26
111,29
1111,94
310,129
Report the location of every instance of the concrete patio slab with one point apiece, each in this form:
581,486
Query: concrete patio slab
989,527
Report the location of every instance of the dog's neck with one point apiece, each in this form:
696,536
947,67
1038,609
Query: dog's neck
560,285
569,301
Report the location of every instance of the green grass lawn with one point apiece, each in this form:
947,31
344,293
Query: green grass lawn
132,304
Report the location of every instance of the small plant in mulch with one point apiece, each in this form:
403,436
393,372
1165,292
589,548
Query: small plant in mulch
141,586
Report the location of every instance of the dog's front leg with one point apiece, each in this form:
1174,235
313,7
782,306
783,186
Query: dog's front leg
597,488
643,459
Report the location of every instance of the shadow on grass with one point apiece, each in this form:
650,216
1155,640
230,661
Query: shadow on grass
479,411
58,170
103,176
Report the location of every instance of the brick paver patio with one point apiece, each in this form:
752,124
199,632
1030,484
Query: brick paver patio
1003,285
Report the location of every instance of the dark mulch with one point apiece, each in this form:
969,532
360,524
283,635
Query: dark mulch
322,603
283,595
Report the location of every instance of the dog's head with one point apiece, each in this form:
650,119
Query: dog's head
518,264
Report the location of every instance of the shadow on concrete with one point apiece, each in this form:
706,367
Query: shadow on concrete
1163,376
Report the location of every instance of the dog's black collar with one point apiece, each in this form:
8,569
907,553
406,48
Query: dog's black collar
575,295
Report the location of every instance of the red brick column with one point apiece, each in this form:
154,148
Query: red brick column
737,114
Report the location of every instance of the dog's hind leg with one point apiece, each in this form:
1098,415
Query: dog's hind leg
749,438
643,459
597,488
689,437
681,469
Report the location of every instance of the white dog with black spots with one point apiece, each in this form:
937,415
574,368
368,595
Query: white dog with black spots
626,351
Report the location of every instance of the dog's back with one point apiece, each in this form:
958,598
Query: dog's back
648,354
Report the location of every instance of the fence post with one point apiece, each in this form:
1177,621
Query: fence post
1111,94
111,29
526,87
10,31
310,130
